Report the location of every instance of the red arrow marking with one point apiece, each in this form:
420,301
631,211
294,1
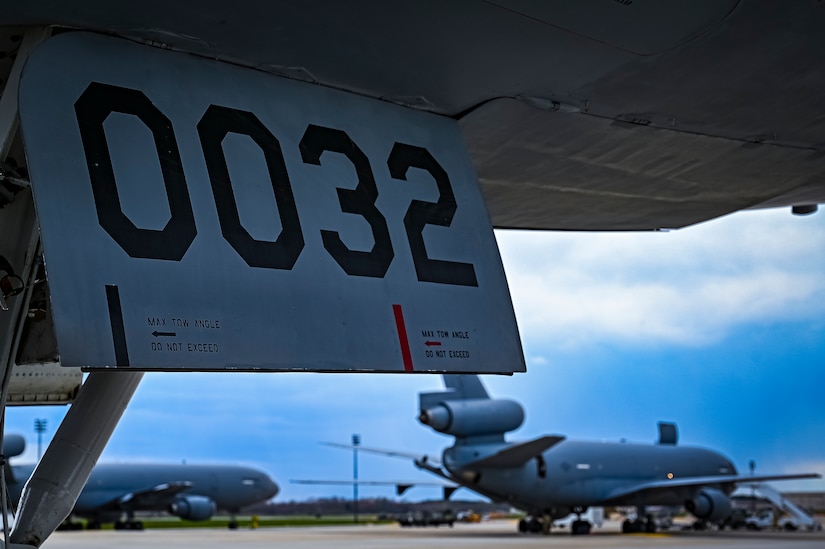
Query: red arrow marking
432,343
402,337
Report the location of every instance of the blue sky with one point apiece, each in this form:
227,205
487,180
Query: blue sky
719,327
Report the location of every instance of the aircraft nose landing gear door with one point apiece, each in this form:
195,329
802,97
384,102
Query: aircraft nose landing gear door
201,216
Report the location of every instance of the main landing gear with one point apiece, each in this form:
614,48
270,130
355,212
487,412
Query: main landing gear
541,525
580,528
530,525
638,525
128,525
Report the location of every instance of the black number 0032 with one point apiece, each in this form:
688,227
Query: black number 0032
99,100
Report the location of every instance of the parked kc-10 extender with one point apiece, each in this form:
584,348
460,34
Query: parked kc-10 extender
551,477
115,491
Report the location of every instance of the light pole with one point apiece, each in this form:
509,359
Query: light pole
39,428
356,440
752,467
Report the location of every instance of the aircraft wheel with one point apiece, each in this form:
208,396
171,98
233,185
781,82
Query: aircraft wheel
531,525
633,526
136,525
580,528
650,527
233,525
93,525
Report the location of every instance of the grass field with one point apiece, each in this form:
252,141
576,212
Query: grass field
246,521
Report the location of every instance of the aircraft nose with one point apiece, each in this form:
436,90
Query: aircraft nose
270,487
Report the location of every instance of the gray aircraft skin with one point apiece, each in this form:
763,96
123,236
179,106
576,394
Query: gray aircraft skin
601,115
551,477
192,492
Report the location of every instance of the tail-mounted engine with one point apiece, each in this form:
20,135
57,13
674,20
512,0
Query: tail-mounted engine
709,504
473,417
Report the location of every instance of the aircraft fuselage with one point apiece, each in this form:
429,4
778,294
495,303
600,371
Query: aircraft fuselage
231,487
582,474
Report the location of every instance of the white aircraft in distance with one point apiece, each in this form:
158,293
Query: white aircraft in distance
292,185
552,476
116,491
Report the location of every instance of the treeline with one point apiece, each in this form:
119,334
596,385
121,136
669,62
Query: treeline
367,506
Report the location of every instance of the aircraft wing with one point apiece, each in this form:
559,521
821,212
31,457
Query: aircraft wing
400,486
383,452
365,482
517,454
158,497
420,460
654,115
709,481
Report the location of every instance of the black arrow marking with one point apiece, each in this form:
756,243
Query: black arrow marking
164,334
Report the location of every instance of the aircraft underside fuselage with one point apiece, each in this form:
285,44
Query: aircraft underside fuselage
647,115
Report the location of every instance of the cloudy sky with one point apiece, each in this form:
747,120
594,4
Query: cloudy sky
719,327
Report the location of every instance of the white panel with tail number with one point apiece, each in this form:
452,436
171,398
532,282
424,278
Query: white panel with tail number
197,215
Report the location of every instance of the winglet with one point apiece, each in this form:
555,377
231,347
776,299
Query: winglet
516,454
668,433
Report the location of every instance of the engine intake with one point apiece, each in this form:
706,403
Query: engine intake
474,417
710,504
193,507
13,445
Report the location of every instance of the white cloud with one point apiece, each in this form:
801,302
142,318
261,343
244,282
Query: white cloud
537,360
689,287
806,485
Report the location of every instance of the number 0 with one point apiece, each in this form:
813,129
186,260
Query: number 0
92,109
215,124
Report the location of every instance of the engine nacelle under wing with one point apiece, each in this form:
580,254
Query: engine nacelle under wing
473,417
193,507
710,504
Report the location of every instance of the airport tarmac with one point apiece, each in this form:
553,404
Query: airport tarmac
498,534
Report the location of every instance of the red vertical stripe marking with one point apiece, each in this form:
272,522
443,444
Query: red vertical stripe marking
402,337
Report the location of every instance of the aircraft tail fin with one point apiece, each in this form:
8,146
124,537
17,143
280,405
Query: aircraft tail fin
465,386
459,387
